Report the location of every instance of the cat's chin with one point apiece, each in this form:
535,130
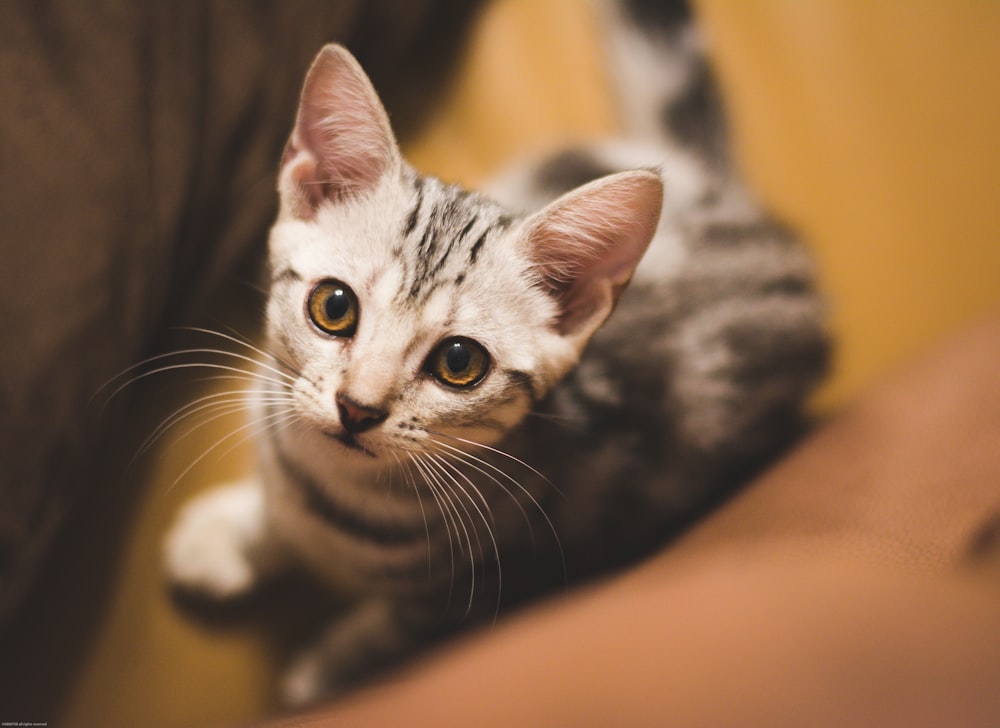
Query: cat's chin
348,442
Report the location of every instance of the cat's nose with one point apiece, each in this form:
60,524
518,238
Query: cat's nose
356,417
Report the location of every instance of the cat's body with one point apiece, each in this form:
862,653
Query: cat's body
430,437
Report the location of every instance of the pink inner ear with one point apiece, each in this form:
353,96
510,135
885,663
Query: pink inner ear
587,244
342,143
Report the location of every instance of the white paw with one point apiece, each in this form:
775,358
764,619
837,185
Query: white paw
351,651
217,545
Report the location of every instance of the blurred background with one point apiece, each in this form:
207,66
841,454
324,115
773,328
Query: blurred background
872,127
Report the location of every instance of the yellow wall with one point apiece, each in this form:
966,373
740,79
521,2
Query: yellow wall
533,79
874,125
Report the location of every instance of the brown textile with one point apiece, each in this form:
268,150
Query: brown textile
138,145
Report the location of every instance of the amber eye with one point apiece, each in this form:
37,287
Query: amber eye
333,307
458,362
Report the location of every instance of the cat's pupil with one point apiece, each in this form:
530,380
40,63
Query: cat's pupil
337,305
458,357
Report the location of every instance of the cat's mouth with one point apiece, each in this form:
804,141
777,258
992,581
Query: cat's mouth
349,441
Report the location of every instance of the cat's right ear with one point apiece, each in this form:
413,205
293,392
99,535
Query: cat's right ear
342,143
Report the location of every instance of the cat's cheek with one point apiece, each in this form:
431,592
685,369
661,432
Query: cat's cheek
556,356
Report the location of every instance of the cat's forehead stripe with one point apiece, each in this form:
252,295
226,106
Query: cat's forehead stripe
455,227
474,253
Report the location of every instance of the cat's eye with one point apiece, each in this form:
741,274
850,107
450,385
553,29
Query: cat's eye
333,307
458,362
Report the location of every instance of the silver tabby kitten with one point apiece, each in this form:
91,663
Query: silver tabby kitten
445,450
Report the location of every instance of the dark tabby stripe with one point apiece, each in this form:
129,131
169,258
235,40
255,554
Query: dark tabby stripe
456,224
411,221
476,247
360,526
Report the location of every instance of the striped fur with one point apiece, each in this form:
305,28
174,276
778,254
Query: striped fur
439,505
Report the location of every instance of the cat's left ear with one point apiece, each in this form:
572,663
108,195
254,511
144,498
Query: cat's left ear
342,143
586,245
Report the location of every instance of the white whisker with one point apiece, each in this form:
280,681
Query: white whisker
256,349
279,420
448,508
170,368
282,416
457,473
471,461
499,452
452,490
451,527
474,461
219,409
257,363
404,468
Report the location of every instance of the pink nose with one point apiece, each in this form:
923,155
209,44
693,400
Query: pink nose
356,417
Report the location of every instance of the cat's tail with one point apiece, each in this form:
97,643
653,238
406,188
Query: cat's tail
663,84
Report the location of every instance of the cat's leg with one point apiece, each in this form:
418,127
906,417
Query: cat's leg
219,545
376,634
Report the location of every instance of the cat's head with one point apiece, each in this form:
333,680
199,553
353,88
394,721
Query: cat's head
412,310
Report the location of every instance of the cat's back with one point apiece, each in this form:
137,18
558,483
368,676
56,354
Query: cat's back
698,377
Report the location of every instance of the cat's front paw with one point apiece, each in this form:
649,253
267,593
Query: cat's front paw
371,637
321,673
306,681
217,546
